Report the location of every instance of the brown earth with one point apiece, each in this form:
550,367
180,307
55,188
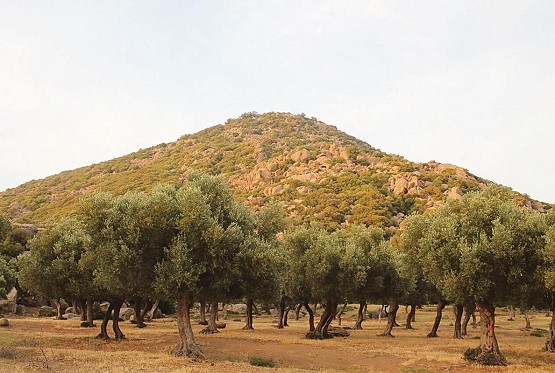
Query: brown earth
31,344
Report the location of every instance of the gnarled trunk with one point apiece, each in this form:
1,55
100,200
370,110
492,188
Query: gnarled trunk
139,314
338,314
321,330
281,312
103,332
435,327
83,304
488,352
152,313
212,321
298,311
458,316
391,318
187,345
59,312
512,312
202,310
411,315
115,319
468,313
87,317
524,311
249,326
550,343
360,315
286,315
310,316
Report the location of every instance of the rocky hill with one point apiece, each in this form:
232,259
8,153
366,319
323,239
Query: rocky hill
313,169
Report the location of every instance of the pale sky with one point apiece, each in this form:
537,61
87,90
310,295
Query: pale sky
465,82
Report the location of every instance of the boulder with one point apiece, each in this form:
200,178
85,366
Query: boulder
70,316
4,322
300,155
70,310
125,313
238,308
104,307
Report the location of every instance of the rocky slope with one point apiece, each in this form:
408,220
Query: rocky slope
314,170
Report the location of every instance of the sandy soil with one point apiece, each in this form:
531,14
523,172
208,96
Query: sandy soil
31,344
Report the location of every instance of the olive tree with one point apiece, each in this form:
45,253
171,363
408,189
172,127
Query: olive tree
200,262
548,274
52,266
7,278
476,249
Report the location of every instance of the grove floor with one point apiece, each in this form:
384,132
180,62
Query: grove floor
32,344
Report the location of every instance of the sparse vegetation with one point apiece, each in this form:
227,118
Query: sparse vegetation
262,362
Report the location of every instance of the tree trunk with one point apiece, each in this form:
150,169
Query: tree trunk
187,345
410,315
202,317
89,322
298,311
512,312
310,317
152,313
550,343
281,312
360,315
391,316
58,305
286,315
338,314
435,327
115,319
83,303
468,313
103,332
249,326
212,321
139,315
527,318
488,352
333,312
458,316
320,332
14,306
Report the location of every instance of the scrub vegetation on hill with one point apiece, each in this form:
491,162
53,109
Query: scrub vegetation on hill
314,170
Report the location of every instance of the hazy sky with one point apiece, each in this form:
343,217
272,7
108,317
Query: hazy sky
464,82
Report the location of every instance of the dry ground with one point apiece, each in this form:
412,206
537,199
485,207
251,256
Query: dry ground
31,344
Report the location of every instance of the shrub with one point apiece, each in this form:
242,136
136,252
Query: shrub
262,362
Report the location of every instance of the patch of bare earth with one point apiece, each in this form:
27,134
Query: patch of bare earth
31,344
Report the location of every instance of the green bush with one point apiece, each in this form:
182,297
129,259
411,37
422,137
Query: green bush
262,362
46,311
539,333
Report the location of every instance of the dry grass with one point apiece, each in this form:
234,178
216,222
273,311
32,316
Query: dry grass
43,345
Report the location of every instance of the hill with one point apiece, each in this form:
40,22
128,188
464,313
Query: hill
313,169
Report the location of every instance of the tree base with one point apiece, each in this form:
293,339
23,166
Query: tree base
314,335
485,358
386,335
86,324
209,331
104,337
248,328
193,353
203,322
432,335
